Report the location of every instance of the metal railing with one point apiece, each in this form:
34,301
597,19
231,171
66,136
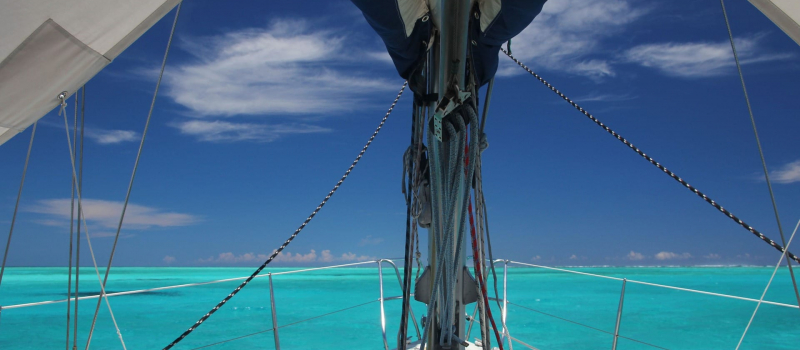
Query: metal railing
505,334
381,299
616,335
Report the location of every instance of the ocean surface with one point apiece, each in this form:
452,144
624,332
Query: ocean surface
666,318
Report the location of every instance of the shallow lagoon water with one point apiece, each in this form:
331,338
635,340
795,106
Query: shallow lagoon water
667,318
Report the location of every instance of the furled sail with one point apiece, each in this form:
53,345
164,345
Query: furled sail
50,46
784,13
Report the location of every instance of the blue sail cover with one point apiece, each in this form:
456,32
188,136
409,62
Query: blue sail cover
405,27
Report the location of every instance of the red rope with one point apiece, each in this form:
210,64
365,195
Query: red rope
476,262
479,274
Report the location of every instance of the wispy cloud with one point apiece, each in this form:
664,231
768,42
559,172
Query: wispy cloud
169,259
287,68
672,256
369,240
712,256
786,174
225,131
105,214
634,256
107,137
601,97
567,35
100,135
700,59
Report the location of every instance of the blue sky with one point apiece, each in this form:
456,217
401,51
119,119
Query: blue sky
265,105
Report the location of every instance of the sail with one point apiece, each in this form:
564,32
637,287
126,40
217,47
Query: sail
784,13
50,46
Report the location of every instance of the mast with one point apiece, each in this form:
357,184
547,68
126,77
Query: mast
447,63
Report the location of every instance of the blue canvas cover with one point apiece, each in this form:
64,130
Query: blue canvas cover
407,50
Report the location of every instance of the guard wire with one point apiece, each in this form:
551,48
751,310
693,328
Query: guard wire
286,325
81,216
583,325
71,223
135,167
16,205
78,231
766,289
296,232
760,150
658,165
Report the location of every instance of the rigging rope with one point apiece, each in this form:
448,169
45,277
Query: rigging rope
16,206
81,216
78,231
71,224
658,165
760,150
481,283
761,300
296,232
135,167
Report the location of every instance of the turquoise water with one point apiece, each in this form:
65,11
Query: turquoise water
666,318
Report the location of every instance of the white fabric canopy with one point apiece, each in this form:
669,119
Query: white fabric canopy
784,13
412,10
50,46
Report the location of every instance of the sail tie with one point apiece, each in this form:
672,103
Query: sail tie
657,164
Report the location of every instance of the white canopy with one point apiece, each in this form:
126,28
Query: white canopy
784,13
50,46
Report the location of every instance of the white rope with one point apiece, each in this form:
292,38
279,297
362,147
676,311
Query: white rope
81,216
778,265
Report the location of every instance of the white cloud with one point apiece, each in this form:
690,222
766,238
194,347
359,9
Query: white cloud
169,259
701,59
787,174
107,137
567,32
536,258
99,135
354,257
634,256
297,257
286,257
229,257
369,240
601,97
672,256
286,68
573,257
106,214
326,256
712,256
224,131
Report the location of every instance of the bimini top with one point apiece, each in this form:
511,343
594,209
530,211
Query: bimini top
784,13
50,46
